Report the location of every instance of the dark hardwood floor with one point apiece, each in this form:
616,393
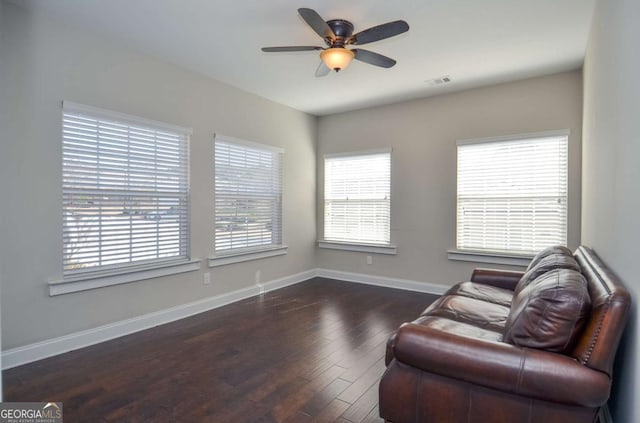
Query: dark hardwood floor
312,352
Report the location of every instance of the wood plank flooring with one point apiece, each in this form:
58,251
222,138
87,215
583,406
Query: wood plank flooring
312,352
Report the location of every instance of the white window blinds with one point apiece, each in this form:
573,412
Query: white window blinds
357,198
512,194
248,195
125,190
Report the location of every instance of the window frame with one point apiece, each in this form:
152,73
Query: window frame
241,254
113,274
508,257
358,245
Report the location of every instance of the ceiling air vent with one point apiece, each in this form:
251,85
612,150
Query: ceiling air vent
438,81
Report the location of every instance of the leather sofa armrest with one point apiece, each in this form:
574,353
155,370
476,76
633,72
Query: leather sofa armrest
506,279
391,345
521,371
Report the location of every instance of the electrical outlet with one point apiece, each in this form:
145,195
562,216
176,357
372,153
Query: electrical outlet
369,260
257,276
207,278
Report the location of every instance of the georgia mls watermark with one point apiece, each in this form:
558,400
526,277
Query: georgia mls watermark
31,412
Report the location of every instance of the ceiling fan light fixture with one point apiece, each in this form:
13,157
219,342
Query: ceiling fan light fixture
337,58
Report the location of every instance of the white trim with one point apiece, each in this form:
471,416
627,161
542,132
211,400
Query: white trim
285,281
37,351
356,246
83,282
387,150
388,282
490,257
259,146
240,256
515,137
122,117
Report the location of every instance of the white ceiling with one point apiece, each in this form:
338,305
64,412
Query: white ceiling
474,42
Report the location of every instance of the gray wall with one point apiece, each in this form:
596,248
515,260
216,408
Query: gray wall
611,171
46,63
423,136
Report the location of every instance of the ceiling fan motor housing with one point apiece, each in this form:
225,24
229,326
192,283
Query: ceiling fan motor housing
342,30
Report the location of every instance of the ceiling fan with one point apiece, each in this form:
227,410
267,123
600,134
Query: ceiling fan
337,34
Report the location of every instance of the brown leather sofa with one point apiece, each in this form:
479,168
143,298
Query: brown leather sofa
534,346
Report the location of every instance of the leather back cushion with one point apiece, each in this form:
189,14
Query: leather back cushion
555,249
549,313
544,265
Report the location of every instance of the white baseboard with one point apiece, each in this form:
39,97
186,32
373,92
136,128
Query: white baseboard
406,284
288,280
37,351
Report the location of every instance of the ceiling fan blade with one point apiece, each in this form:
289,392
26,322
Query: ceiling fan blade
322,70
373,58
290,48
316,22
379,32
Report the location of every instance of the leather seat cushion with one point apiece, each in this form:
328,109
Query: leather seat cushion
449,326
459,328
482,292
550,312
478,313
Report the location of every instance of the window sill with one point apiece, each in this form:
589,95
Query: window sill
490,257
102,279
360,247
240,256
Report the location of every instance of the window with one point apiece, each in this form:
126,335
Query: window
125,185
512,193
248,196
357,198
